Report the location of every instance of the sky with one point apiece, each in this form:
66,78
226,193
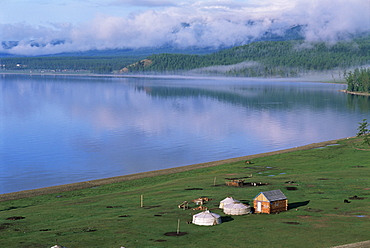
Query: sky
35,27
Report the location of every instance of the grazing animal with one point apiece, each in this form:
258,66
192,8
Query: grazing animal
248,162
346,201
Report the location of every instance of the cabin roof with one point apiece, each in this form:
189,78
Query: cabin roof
273,195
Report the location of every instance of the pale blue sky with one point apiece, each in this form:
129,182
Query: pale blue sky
45,11
106,24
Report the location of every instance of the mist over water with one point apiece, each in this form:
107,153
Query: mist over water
57,130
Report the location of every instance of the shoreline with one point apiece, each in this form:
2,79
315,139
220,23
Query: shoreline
355,93
99,182
174,76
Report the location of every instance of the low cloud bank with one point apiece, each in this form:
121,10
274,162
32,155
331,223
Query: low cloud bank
200,24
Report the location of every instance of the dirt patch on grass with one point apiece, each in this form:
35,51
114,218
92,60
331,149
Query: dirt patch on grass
313,210
99,182
16,218
160,240
175,234
291,188
304,216
150,207
124,216
355,197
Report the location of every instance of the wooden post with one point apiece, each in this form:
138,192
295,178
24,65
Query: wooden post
141,201
178,226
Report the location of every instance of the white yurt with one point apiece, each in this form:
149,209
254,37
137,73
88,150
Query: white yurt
206,218
237,208
226,201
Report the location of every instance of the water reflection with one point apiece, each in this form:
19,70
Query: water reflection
58,130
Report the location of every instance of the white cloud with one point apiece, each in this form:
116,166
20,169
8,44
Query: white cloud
193,23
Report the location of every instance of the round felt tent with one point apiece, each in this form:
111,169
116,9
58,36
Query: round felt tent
237,208
226,201
206,218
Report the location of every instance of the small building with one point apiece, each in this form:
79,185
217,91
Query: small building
237,208
206,218
226,201
268,202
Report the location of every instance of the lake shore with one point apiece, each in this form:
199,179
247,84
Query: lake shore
320,78
99,182
355,93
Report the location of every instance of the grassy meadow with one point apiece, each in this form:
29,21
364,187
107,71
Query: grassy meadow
316,182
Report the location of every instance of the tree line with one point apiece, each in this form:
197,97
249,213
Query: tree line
358,80
94,64
269,58
273,58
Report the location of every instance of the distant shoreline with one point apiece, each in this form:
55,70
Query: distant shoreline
104,181
174,76
355,93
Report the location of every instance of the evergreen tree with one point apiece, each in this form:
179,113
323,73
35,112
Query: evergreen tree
363,131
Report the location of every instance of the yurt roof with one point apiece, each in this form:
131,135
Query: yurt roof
229,199
207,214
236,205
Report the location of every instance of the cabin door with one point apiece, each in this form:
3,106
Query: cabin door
259,206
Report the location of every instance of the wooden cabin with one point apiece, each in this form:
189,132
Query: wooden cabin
268,202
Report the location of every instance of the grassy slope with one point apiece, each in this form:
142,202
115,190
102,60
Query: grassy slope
324,178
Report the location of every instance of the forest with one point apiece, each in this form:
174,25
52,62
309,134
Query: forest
264,59
258,59
93,64
358,80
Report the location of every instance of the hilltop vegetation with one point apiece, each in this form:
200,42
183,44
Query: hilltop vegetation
359,80
266,58
258,59
93,64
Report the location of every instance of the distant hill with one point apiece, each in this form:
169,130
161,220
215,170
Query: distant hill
281,58
263,58
7,46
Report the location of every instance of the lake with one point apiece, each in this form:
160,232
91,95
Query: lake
64,129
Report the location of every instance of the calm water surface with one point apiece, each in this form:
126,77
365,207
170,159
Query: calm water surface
57,130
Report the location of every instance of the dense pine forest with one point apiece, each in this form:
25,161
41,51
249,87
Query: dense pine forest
93,64
268,58
257,59
358,80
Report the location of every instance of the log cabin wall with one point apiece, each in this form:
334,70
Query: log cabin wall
279,206
270,207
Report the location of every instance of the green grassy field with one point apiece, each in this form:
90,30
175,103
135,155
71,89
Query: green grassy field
112,215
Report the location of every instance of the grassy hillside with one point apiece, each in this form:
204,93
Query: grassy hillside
316,182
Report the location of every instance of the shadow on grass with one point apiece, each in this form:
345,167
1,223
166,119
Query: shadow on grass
14,207
297,204
226,219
